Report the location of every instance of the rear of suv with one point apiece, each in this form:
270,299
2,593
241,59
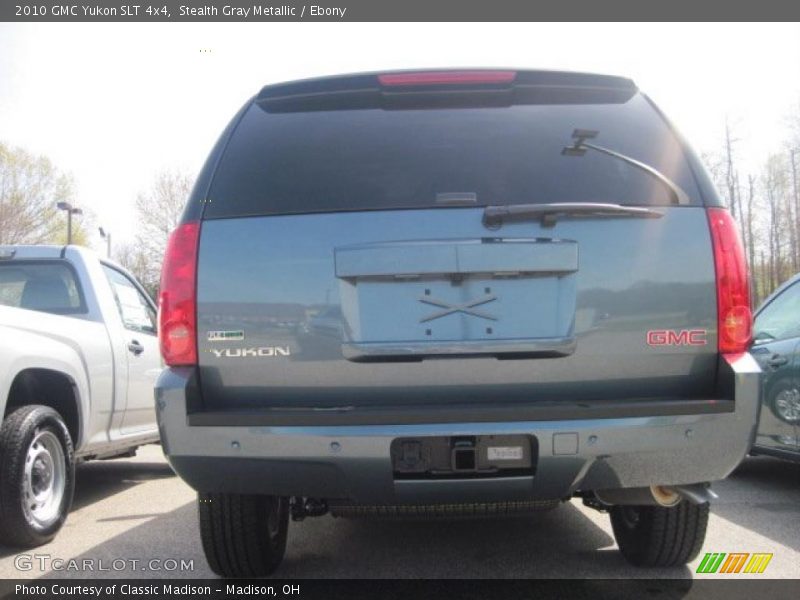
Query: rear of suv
453,293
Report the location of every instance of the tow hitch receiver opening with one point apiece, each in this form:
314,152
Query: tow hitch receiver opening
471,456
463,456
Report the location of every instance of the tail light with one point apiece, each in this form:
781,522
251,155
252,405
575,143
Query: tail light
734,316
447,78
177,317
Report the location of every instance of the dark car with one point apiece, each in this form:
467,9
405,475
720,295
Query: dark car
776,347
539,296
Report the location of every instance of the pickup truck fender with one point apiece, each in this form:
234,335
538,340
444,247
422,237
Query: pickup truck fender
21,350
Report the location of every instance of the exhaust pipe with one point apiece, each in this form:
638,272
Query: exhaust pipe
696,493
656,495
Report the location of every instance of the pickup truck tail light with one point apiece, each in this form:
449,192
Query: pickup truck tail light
734,315
177,316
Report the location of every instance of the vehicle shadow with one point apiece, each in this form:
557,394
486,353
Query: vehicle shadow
763,495
171,536
765,471
563,543
97,480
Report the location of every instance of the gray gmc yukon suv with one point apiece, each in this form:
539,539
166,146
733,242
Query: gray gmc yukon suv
454,293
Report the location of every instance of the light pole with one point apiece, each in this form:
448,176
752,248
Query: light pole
106,235
70,210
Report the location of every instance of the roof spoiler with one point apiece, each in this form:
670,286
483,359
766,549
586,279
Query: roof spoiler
444,89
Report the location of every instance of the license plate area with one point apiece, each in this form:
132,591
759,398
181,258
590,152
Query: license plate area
460,297
478,307
469,456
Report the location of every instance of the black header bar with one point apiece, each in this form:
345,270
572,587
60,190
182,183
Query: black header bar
403,589
399,10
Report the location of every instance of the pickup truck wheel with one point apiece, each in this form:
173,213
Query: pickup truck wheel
37,476
657,536
243,535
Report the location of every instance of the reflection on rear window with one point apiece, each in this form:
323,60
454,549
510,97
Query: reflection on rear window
43,286
373,159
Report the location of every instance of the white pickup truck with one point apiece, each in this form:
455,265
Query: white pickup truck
78,360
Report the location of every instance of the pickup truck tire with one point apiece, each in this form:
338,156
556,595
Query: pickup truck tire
37,476
657,536
243,535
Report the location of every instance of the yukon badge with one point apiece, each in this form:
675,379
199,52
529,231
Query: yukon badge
262,352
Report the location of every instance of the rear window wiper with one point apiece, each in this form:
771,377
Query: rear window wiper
548,214
580,145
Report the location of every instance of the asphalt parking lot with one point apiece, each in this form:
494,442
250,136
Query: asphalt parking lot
137,510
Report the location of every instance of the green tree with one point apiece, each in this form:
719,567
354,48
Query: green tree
30,187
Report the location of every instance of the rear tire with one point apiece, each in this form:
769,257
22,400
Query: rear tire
37,476
657,536
243,535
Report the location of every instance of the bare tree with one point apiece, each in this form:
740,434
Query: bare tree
133,257
766,207
776,188
794,156
749,233
730,171
160,208
725,174
158,211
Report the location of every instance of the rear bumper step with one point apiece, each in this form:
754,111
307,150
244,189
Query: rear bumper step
448,413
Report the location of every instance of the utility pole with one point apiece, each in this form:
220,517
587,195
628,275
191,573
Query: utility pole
106,235
70,210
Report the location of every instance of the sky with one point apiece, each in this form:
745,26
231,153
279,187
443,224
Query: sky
115,103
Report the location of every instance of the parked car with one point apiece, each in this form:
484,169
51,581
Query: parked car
776,347
78,362
540,296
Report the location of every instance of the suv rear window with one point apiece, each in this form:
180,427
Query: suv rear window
295,162
47,286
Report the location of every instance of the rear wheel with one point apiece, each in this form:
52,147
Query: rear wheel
243,535
37,476
784,400
657,536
